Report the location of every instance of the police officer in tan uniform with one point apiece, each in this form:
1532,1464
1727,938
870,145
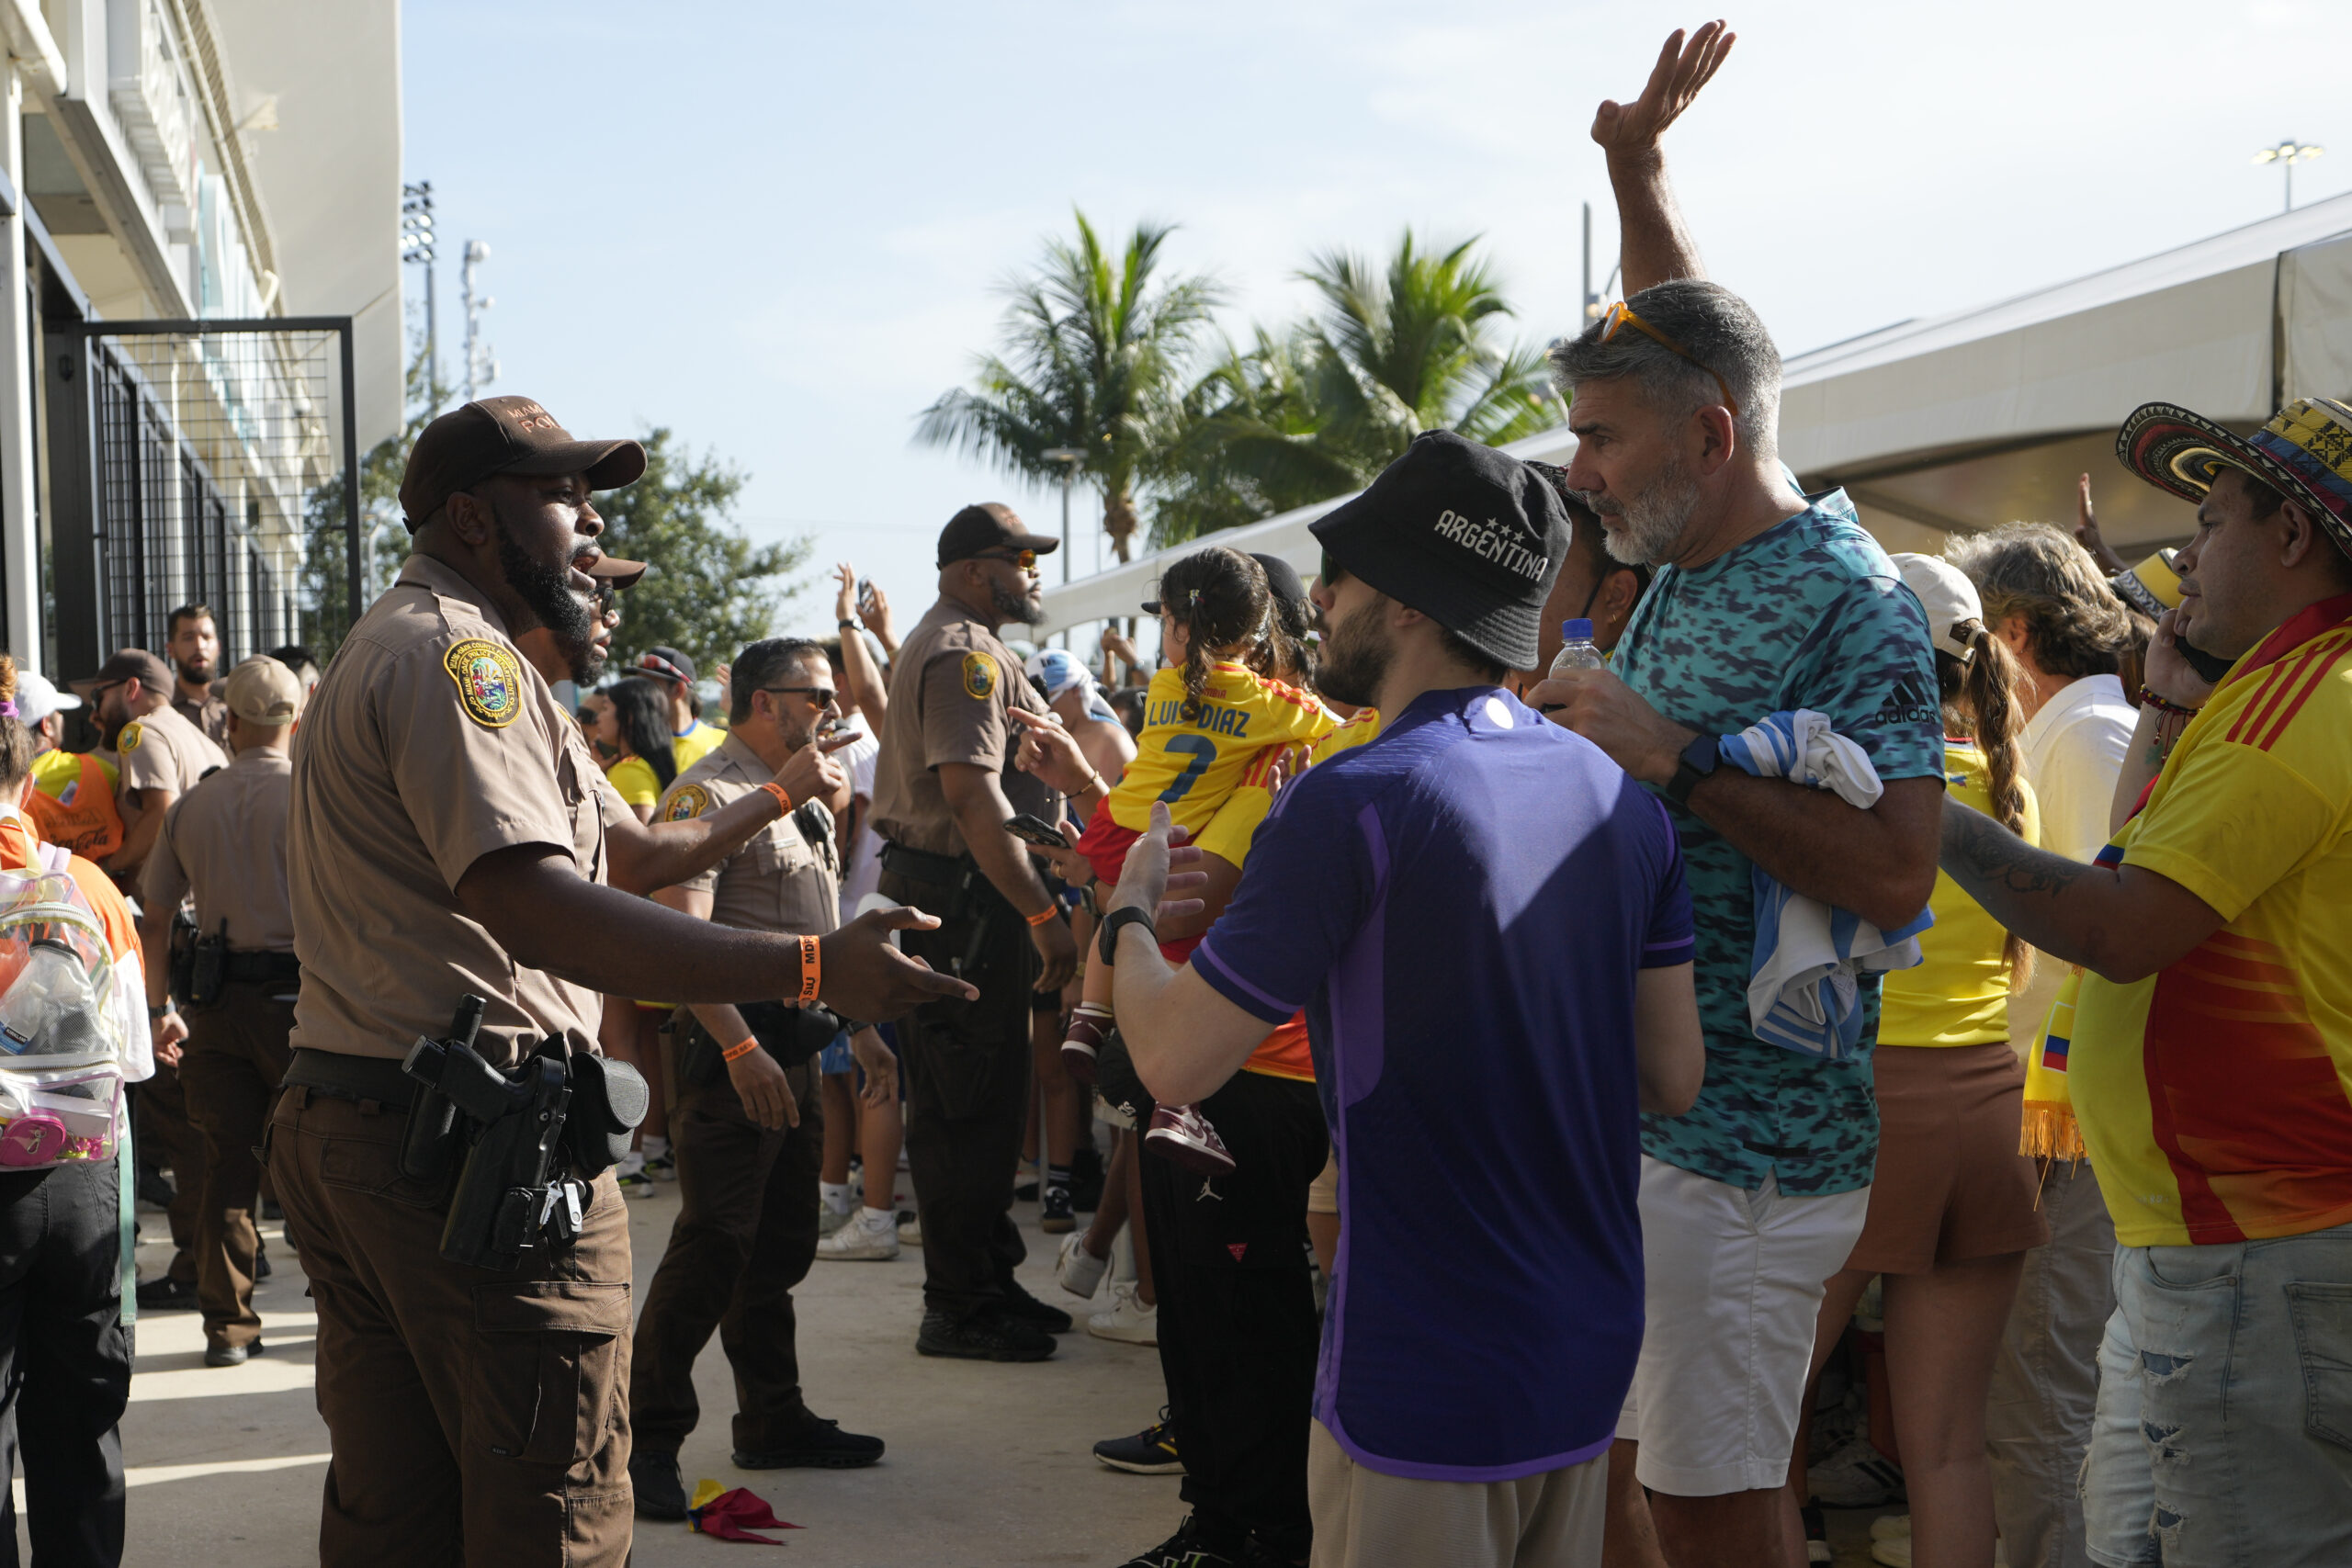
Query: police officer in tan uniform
447,835
944,787
225,841
746,1124
160,756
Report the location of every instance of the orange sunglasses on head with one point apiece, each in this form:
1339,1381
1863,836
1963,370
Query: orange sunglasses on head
1622,315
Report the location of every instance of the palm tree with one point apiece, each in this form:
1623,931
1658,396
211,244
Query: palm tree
1323,408
1094,357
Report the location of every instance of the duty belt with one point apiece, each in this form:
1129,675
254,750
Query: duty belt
920,865
330,1073
263,968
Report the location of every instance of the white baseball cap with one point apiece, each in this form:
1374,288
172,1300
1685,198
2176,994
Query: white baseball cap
37,698
1945,592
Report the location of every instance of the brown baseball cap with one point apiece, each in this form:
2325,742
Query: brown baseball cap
130,663
618,572
262,691
988,526
504,435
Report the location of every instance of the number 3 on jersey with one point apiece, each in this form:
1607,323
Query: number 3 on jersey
1202,750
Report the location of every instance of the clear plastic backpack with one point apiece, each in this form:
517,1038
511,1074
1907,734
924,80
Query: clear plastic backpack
62,1029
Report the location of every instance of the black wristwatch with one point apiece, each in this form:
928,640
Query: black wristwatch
1107,944
853,625
1697,760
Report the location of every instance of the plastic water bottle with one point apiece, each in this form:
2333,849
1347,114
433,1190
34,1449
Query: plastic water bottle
1577,651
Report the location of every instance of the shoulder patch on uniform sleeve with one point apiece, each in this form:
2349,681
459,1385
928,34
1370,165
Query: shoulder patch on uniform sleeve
686,803
980,675
131,735
489,680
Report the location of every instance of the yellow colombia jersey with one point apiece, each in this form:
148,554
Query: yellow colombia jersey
1195,767
2216,1095
1959,992
636,781
56,773
699,740
1235,827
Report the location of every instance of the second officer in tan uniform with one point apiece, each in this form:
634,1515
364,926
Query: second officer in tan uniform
448,835
225,840
745,1124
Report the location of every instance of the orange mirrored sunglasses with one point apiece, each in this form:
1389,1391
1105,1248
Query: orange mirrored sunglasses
1622,315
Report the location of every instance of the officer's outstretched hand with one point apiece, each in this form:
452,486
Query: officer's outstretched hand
811,771
865,977
764,1089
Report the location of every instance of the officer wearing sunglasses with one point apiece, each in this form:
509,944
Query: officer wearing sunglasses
946,784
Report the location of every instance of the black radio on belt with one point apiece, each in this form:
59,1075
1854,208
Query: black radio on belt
526,1134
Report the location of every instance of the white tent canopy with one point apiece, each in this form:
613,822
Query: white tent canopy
1986,415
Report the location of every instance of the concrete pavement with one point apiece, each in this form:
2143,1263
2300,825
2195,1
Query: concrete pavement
986,1465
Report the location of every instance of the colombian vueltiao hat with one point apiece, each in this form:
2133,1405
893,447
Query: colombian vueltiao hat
1470,537
2152,587
2304,453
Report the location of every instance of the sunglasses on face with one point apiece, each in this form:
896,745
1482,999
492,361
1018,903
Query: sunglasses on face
1332,571
1621,315
818,696
1026,559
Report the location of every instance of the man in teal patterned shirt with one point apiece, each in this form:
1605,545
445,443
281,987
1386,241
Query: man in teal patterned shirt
1765,601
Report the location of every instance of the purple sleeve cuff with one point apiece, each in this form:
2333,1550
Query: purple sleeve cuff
1666,955
1238,991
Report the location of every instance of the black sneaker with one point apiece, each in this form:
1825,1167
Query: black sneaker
166,1294
231,1355
1085,1180
261,1264
271,1212
985,1336
1151,1452
1060,1217
660,1494
154,1189
1188,1548
824,1446
1023,1307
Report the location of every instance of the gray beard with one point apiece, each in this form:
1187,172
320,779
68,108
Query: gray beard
1653,521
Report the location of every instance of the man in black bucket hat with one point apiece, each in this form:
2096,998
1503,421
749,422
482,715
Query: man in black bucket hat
1474,897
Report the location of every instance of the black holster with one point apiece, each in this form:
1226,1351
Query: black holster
208,967
789,1032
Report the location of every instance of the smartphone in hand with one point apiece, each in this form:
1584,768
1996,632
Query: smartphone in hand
1037,830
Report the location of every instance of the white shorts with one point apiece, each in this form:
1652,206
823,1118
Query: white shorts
1735,1289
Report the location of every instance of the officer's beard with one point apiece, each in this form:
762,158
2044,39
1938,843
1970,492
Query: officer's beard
1355,657
1014,605
546,592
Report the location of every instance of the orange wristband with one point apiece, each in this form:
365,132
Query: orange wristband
784,801
1042,916
740,1049
810,966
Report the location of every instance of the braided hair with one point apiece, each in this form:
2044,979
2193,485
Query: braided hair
1980,700
1219,597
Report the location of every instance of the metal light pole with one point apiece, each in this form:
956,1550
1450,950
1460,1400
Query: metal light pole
2287,155
416,249
1069,458
481,366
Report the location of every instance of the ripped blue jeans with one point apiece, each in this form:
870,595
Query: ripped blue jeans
2223,1438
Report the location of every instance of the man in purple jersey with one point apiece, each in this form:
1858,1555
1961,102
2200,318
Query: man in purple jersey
1475,899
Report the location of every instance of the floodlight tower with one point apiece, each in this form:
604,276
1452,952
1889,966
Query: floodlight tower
2287,155
481,366
416,249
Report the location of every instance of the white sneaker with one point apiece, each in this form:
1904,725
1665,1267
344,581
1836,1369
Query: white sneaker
871,1237
911,1232
1856,1476
1887,1526
1079,1270
830,1219
1129,1320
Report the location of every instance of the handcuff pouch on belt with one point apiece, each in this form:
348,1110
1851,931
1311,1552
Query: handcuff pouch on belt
526,1145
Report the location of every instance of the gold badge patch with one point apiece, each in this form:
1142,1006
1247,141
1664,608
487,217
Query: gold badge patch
489,679
131,735
686,803
980,676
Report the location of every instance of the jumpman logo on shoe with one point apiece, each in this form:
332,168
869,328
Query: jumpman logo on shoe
1208,1191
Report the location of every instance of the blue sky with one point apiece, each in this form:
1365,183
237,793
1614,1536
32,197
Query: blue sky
775,228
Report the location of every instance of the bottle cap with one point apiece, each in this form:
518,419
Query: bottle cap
1579,630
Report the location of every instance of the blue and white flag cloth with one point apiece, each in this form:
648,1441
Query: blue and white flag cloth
1803,991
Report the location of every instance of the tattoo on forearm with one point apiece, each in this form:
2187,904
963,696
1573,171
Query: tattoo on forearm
1989,853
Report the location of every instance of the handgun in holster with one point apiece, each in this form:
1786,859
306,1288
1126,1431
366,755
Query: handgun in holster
533,1139
207,967
181,974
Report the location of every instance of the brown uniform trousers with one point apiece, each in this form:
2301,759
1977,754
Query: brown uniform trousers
968,1095
480,1416
234,1059
169,1140
746,1235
